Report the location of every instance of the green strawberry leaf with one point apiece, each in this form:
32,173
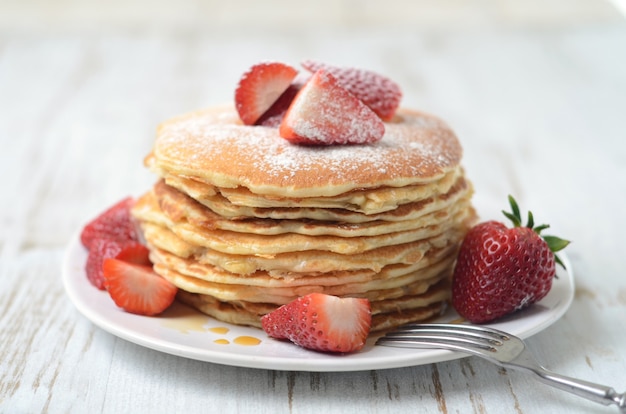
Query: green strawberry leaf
556,243
531,221
514,216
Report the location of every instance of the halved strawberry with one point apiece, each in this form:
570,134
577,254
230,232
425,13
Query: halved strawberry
274,116
260,87
378,92
99,250
324,113
135,253
322,322
137,288
115,223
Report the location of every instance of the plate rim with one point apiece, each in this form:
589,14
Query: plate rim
400,358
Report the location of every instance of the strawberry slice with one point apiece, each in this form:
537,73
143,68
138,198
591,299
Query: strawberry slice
274,116
378,92
115,223
322,322
99,250
137,288
324,113
260,87
135,253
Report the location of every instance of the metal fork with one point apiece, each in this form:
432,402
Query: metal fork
499,347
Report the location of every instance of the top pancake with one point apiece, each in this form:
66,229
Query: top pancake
213,146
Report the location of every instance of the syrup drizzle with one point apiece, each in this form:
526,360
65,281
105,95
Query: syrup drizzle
186,320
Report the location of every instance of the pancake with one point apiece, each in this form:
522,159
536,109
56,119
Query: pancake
367,201
214,147
243,221
224,208
282,296
309,262
177,206
389,277
261,244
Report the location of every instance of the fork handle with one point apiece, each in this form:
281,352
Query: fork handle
594,392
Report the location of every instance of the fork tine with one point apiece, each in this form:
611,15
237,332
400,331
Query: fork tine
437,341
465,338
434,342
456,329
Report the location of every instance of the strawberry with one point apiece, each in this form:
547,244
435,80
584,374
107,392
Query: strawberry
322,322
324,113
115,224
135,253
378,92
102,249
275,114
260,87
136,288
500,270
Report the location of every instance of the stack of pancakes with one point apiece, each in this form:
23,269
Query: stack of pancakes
242,221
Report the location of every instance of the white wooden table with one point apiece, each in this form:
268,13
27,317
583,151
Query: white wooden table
539,105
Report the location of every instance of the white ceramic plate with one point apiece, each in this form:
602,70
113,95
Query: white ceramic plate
185,332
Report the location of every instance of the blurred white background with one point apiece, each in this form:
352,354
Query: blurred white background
288,14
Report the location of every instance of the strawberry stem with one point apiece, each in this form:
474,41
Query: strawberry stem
514,215
531,220
554,243
538,229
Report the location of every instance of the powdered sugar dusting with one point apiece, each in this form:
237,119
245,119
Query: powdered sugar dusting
324,113
378,92
215,146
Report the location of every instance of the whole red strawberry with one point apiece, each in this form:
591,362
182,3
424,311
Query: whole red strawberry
500,270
